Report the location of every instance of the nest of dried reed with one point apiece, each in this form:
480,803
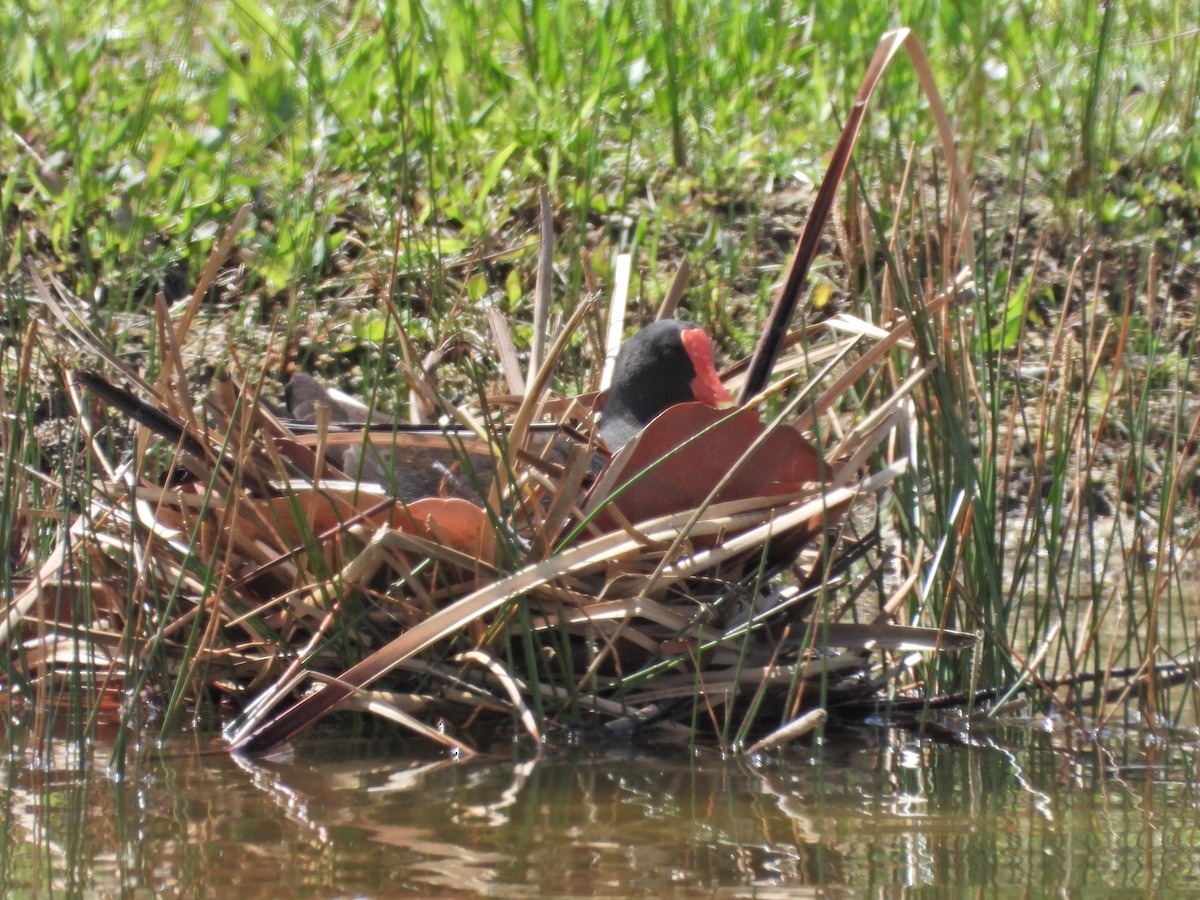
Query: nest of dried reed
568,588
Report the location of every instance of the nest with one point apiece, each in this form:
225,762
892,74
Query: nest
700,577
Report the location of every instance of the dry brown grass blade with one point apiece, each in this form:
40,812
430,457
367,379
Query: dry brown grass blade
376,704
531,403
886,636
79,330
173,372
826,506
616,316
512,687
216,259
545,277
776,326
506,350
162,424
46,579
792,731
731,681
563,499
675,293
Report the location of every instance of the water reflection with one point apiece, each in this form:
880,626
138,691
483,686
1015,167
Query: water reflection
866,811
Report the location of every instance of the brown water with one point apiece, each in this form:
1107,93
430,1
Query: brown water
866,812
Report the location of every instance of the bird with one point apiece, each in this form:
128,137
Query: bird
667,362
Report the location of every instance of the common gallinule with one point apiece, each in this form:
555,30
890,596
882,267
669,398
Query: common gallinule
666,363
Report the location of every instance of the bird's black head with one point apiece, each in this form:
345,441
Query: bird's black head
665,363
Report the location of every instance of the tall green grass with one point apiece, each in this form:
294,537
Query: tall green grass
143,125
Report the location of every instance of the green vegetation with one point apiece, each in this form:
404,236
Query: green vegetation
391,153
